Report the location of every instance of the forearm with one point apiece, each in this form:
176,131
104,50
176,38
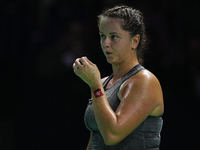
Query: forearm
105,117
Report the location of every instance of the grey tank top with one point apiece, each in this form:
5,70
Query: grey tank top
145,137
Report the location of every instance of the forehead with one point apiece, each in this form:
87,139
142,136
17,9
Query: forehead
110,24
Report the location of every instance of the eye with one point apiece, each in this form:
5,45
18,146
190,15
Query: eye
102,36
113,37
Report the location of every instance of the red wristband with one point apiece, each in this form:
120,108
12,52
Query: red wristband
98,93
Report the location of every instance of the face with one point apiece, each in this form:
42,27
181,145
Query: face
116,43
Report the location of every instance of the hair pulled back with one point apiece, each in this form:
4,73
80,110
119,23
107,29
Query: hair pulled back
132,21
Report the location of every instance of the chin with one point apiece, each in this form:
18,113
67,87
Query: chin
109,60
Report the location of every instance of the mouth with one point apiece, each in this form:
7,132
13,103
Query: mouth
108,53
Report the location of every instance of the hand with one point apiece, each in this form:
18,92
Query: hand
87,71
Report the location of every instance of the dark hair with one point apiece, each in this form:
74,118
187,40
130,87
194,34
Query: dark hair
132,21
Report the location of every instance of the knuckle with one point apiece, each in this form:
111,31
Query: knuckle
77,59
73,65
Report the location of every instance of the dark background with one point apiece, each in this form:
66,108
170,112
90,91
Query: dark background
42,102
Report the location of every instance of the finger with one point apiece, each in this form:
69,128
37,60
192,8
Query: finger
83,61
74,65
87,60
77,64
76,72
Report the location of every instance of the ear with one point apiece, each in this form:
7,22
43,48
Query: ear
135,41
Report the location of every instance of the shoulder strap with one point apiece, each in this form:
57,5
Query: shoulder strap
132,72
107,80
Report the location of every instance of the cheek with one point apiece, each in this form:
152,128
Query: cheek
124,49
121,46
101,44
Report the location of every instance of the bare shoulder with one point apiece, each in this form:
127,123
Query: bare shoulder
144,78
146,87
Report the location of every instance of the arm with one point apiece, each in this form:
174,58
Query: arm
89,146
141,95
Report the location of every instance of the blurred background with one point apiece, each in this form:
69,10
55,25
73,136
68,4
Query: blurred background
42,102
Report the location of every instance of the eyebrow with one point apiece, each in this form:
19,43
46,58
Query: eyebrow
111,33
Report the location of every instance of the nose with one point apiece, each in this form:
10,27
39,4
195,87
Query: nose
105,42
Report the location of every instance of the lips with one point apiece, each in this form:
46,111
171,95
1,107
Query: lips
108,53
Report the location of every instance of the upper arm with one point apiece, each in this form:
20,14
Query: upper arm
141,95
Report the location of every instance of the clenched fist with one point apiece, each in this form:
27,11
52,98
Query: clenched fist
87,71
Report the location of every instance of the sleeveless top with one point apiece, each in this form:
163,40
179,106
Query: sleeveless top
145,137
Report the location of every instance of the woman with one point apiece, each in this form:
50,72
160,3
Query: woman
125,111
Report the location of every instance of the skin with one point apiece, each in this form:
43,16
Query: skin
141,94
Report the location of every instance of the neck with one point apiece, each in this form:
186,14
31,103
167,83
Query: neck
120,70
